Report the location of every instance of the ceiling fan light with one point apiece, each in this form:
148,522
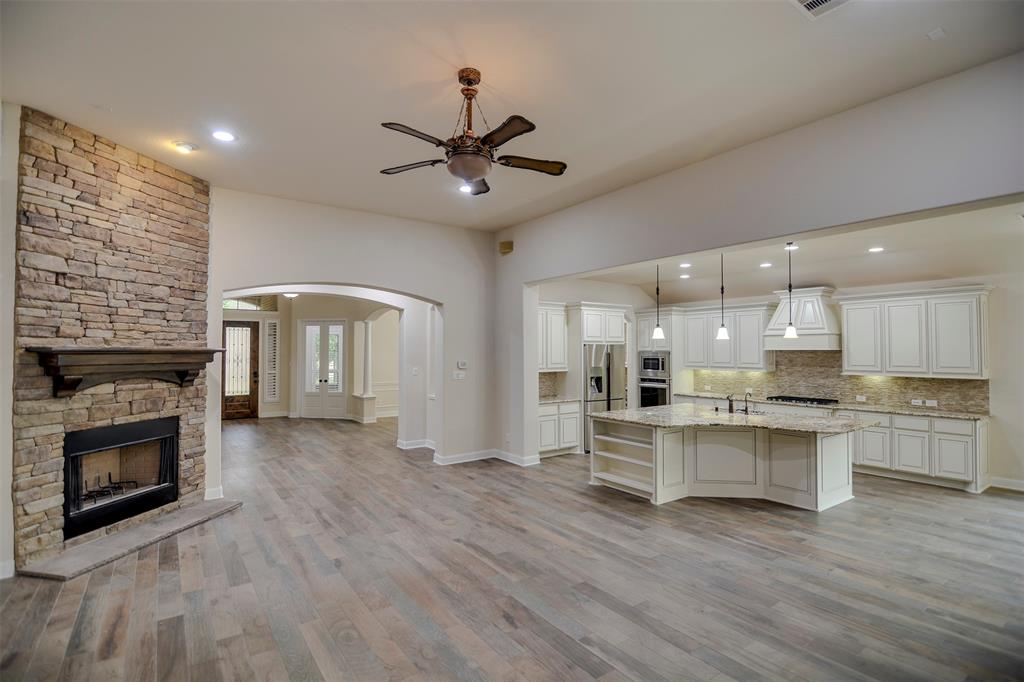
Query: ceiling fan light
723,333
790,332
658,334
469,167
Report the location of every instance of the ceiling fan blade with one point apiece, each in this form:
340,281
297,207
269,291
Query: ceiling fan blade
410,166
514,126
480,187
549,167
415,133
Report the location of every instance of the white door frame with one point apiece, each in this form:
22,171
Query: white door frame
299,379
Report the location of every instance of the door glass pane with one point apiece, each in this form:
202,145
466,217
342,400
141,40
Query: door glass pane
334,356
236,360
312,371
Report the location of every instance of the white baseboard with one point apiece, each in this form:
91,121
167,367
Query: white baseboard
461,457
387,411
518,460
464,457
6,568
360,420
1008,483
268,414
413,444
214,493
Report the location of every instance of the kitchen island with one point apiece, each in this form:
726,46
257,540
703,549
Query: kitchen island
670,452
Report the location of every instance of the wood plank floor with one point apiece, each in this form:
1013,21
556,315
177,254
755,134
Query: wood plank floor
352,560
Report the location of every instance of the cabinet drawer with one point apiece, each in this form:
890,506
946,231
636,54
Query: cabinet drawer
568,408
901,421
960,427
547,409
884,417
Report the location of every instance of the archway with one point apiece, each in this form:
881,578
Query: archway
419,388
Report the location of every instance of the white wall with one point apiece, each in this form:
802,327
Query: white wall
10,117
955,140
259,240
1006,385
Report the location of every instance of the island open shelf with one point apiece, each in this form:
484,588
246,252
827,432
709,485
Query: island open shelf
676,451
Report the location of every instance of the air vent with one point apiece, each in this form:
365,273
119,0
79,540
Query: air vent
815,8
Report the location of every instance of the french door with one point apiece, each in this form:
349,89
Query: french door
241,370
323,394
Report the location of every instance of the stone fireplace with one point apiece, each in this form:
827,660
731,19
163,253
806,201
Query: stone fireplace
112,252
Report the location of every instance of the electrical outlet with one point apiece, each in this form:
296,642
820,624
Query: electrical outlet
862,399
917,401
458,376
707,387
750,389
931,403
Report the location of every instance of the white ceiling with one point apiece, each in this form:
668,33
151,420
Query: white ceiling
969,244
620,91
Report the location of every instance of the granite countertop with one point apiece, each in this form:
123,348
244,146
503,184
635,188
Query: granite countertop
862,407
544,400
669,416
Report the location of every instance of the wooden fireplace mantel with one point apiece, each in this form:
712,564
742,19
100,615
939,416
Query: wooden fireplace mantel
74,369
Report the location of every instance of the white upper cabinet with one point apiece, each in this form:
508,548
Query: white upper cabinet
614,326
553,338
645,324
933,333
954,334
906,348
862,338
723,353
695,343
745,350
600,323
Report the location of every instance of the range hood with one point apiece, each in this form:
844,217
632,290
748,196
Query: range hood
815,318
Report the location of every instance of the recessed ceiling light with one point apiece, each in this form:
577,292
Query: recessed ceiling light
291,295
684,277
791,247
465,189
876,249
936,34
185,147
223,136
684,265
766,265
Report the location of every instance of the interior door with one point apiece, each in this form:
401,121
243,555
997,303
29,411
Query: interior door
323,394
240,377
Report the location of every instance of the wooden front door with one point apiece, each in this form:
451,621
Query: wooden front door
241,375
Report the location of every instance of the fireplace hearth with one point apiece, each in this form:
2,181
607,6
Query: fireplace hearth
112,473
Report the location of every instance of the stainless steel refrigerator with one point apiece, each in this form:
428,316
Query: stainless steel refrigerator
604,376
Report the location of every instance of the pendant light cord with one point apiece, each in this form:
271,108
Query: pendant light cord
657,293
790,287
722,270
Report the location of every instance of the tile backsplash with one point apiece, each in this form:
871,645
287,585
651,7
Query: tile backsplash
819,374
548,384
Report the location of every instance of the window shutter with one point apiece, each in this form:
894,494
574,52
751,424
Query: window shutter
271,361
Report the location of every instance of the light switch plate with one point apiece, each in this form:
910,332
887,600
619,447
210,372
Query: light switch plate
462,364
862,399
458,376
931,403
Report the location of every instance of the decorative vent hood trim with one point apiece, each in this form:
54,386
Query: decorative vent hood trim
815,316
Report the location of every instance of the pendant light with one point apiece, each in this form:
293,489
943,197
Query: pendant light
723,333
790,329
658,334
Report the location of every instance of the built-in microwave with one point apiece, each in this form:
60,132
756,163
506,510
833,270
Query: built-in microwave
654,364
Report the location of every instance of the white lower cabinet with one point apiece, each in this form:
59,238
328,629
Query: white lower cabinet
954,456
559,427
874,448
911,451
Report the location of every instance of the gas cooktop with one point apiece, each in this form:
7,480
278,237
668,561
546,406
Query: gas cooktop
799,399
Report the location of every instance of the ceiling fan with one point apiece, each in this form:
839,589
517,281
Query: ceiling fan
470,157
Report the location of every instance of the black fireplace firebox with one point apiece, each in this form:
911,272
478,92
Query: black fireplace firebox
112,473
